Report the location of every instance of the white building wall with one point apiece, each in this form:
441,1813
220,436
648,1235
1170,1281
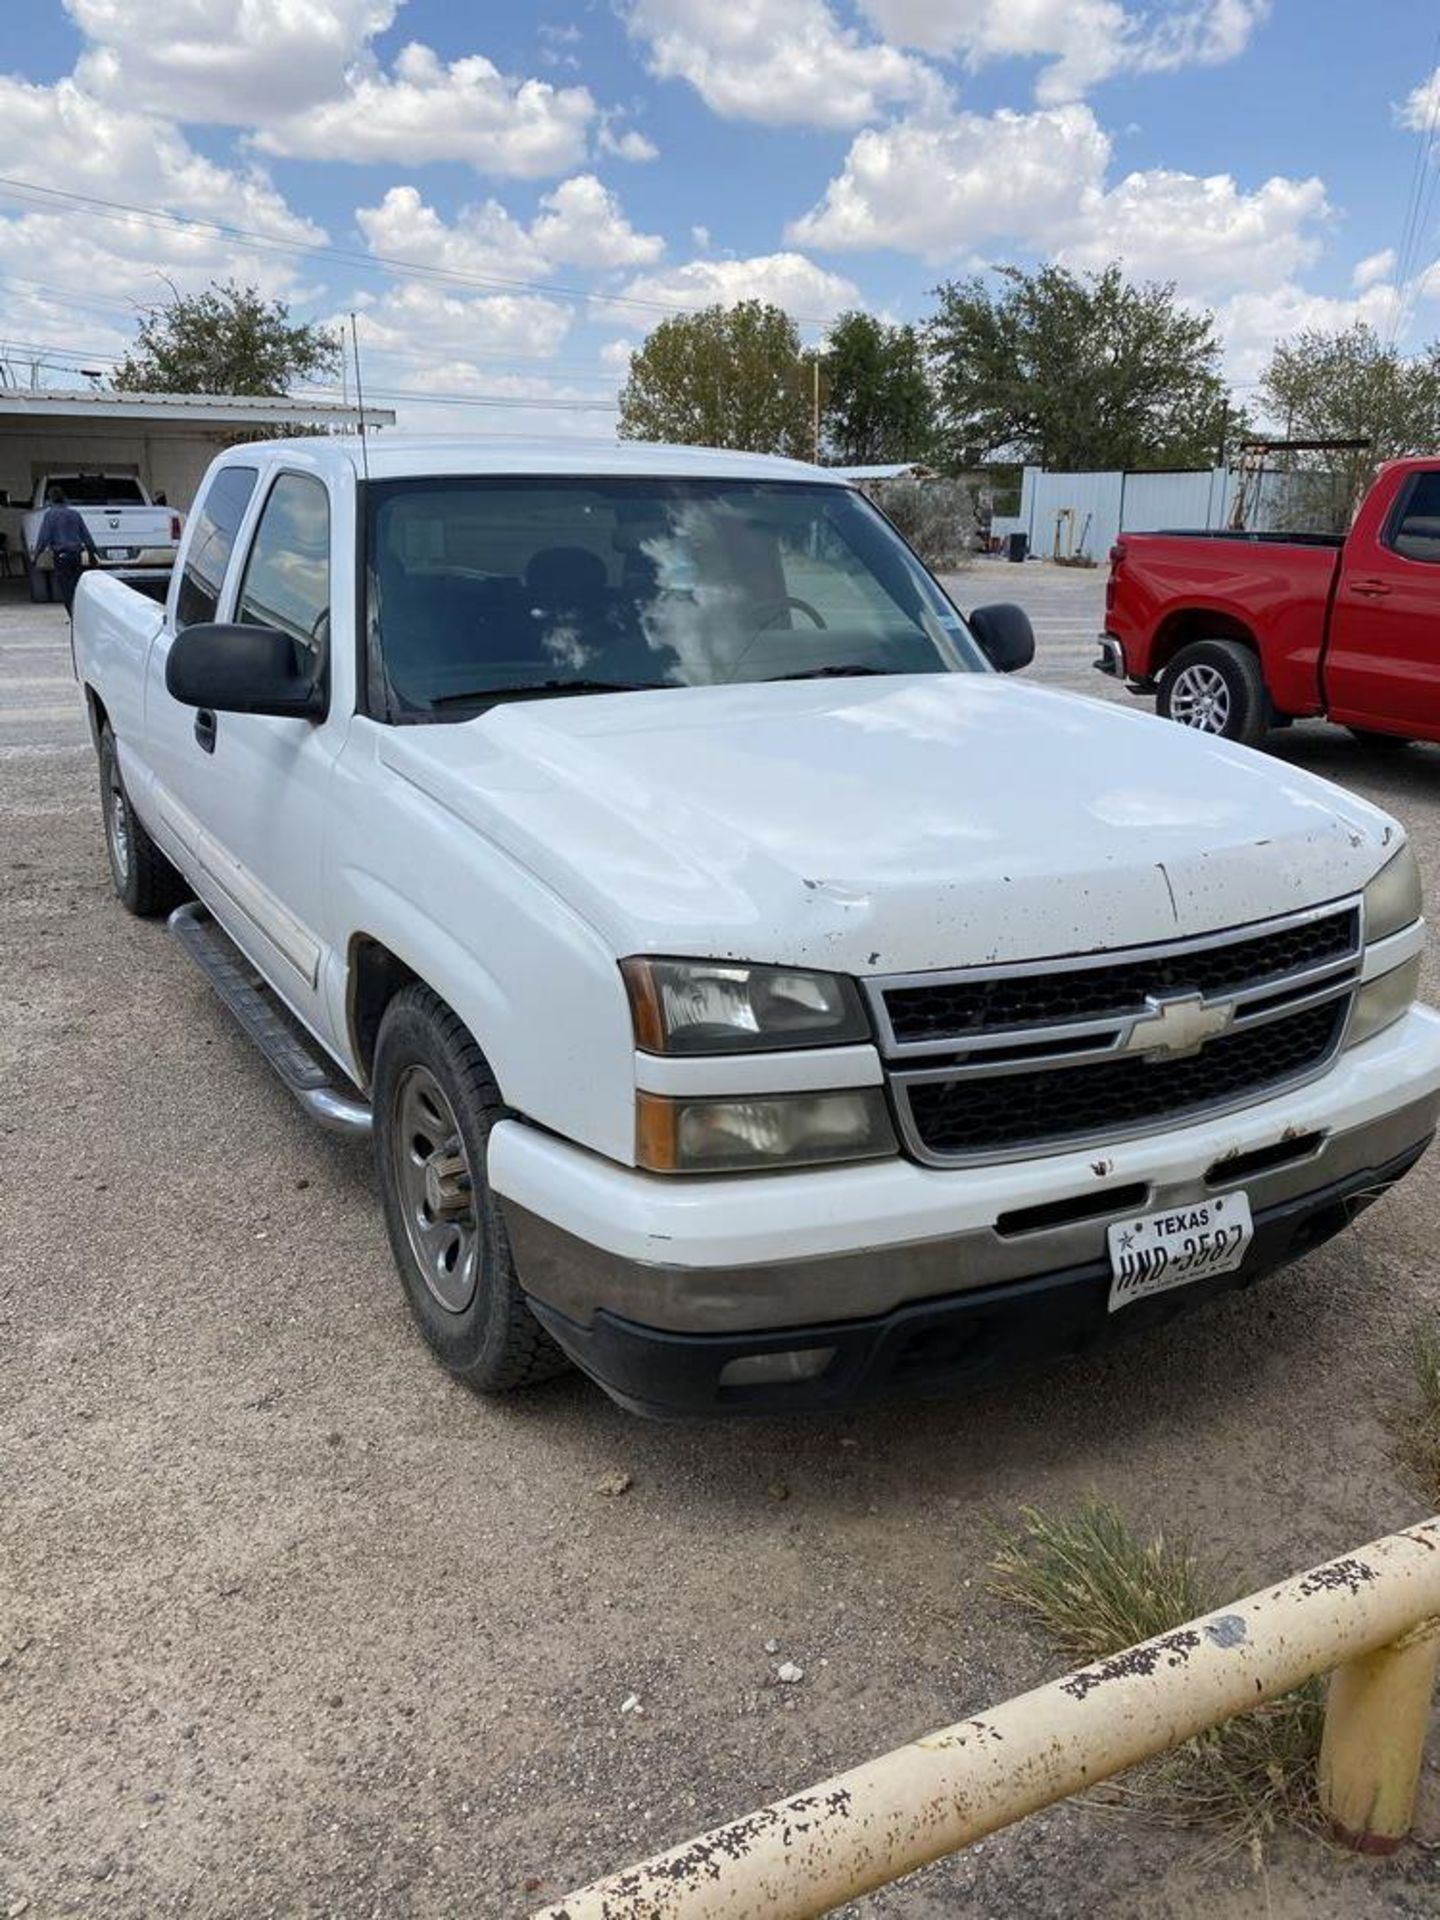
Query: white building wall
1087,512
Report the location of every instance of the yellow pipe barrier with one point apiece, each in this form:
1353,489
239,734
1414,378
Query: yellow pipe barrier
1362,1614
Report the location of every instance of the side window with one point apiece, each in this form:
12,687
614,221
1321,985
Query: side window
287,571
1416,533
215,523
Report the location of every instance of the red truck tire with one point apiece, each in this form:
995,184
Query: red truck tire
1216,686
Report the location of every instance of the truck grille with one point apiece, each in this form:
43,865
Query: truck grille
997,1062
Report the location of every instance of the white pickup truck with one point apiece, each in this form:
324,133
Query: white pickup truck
753,995
134,535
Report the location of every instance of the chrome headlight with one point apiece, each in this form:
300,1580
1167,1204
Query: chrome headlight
1393,898
703,1134
720,1006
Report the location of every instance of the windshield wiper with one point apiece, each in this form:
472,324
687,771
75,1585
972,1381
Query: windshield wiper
548,686
826,673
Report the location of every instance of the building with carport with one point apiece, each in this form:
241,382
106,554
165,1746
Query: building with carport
165,440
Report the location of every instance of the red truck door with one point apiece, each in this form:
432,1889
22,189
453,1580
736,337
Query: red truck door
1382,665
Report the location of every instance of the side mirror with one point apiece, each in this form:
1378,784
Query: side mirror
242,670
1005,636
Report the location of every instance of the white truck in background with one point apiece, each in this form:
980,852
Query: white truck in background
752,995
135,536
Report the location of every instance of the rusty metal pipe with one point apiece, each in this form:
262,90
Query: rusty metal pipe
802,1856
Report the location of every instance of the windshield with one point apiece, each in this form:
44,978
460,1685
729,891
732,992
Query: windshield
479,588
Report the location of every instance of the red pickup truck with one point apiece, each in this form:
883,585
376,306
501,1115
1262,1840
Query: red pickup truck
1237,632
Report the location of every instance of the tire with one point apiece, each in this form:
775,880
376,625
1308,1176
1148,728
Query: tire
435,1101
1216,687
1386,742
41,584
144,880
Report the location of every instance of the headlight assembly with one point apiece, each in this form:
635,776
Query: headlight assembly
719,1006
1392,899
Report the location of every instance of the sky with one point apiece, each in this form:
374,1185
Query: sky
509,197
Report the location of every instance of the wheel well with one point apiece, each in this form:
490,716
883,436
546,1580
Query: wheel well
375,976
99,718
1195,623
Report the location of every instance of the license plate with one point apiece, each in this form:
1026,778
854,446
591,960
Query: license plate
117,553
1157,1251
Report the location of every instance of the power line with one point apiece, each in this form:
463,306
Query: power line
159,220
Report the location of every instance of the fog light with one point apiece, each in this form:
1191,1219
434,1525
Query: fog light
1381,1002
776,1369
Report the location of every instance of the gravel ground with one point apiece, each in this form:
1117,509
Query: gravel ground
291,1625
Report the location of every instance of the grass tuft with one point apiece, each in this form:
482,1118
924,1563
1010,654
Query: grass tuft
1094,1586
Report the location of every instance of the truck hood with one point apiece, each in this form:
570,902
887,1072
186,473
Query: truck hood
890,825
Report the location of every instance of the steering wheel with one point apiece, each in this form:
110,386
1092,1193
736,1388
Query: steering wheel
771,610
782,604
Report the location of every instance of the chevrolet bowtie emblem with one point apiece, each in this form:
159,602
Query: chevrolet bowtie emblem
1178,1025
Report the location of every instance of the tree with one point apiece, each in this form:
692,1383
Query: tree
1349,385
879,404
226,340
1076,372
722,377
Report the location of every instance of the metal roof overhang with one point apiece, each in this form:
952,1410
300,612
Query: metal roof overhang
49,404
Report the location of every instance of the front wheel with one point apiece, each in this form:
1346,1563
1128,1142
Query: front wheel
435,1101
1216,687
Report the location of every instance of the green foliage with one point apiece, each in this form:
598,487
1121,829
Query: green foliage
1094,1586
723,377
937,517
228,339
1350,385
1421,1434
1076,372
879,405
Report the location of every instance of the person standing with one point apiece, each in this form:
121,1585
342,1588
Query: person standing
65,533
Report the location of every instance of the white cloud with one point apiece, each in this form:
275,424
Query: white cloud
941,187
949,189
424,110
1420,109
782,62
426,325
61,136
1206,234
786,280
1375,266
1250,324
234,62
625,143
580,224
1085,41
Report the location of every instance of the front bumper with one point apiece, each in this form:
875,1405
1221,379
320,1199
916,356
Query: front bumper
959,1340
610,1257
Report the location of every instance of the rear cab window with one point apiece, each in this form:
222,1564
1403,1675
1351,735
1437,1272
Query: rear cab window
214,526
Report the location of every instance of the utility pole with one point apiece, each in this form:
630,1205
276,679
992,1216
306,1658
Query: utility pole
815,407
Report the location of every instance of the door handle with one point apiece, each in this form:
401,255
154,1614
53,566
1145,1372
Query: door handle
1371,589
205,730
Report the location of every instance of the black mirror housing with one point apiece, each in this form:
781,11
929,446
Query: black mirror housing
242,669
1005,636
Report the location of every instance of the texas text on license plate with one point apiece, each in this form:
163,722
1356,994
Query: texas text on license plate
1157,1251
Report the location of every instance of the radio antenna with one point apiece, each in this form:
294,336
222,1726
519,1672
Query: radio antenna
359,395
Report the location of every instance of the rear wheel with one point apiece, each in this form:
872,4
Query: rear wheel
144,879
435,1101
1215,686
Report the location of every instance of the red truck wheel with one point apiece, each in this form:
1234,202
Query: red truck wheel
1216,686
